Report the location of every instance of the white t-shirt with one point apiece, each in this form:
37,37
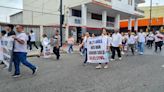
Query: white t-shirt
141,37
109,41
116,39
131,39
150,37
45,41
33,39
21,47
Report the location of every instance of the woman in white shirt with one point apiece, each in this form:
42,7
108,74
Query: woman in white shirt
131,42
104,34
44,42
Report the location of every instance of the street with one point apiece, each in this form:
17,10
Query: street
132,74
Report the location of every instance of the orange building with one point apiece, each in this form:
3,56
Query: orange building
156,24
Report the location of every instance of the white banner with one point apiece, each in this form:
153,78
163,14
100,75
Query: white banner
7,50
47,51
97,50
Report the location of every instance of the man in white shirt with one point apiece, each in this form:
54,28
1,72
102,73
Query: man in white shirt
116,43
33,40
131,42
141,42
20,52
150,39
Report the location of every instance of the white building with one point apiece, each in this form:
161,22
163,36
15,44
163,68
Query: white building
83,15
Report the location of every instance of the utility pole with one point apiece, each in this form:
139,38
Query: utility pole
61,21
150,23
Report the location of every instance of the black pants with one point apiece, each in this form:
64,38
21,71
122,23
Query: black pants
131,46
86,55
33,43
150,43
158,44
41,46
56,52
118,52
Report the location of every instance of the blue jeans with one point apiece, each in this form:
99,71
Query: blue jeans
70,48
141,47
21,57
86,55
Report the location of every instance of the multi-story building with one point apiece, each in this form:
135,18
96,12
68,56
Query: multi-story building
156,21
83,15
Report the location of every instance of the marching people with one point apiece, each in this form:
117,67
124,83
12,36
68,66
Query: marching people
141,42
158,41
2,35
131,42
20,52
55,42
45,41
28,41
116,43
33,40
70,42
81,49
104,34
10,30
150,39
84,43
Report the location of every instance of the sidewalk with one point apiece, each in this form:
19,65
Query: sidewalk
62,50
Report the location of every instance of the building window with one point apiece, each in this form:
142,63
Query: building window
110,19
76,13
96,16
130,2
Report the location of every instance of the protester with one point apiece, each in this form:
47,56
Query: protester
158,41
150,39
104,34
136,41
81,49
124,41
20,52
28,41
9,29
33,40
131,42
2,35
44,43
93,35
70,42
55,42
141,42
116,43
87,36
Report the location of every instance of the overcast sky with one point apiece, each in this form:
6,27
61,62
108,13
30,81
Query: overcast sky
5,12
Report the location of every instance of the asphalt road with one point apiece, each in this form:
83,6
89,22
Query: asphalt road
132,74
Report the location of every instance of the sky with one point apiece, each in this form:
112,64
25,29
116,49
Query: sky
5,12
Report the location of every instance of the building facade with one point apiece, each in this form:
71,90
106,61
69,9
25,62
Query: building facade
156,22
83,15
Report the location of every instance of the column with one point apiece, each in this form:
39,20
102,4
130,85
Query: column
130,24
66,32
104,19
41,32
117,22
84,18
136,25
69,11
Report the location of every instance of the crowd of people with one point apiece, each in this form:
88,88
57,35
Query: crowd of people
122,43
117,44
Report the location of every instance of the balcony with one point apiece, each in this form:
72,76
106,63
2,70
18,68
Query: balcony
106,3
140,1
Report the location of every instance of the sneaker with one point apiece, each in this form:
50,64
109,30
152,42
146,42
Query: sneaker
34,71
141,53
106,67
112,59
120,58
98,67
16,75
122,53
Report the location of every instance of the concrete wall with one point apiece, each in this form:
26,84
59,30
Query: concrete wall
17,18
